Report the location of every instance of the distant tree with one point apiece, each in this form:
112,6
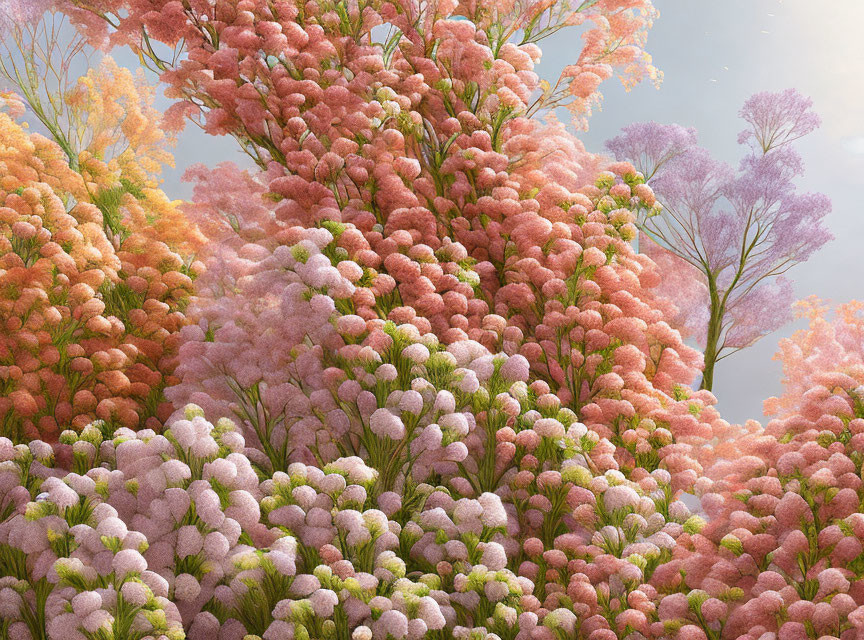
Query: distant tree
736,233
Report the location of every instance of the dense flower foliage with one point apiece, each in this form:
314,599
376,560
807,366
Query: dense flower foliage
786,519
409,378
264,44
93,286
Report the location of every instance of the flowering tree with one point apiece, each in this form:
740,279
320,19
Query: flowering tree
785,519
104,121
93,286
425,388
614,39
734,235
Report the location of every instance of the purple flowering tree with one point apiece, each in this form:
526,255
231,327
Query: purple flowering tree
735,232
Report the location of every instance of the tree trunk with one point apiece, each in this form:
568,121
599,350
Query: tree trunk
710,361
715,322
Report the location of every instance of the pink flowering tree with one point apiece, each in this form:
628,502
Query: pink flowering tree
732,234
428,278
785,524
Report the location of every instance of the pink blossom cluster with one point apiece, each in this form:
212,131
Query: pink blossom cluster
785,520
392,408
163,533
244,39
177,530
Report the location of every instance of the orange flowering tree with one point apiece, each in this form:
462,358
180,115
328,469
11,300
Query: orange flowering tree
97,261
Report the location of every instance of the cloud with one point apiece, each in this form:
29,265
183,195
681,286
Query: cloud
823,50
854,145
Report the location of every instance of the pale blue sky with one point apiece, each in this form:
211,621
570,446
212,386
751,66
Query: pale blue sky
714,54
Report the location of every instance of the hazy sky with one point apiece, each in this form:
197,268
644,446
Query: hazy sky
714,55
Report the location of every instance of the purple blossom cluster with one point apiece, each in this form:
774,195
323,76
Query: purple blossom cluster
731,235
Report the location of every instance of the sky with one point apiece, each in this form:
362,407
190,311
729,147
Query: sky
714,55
